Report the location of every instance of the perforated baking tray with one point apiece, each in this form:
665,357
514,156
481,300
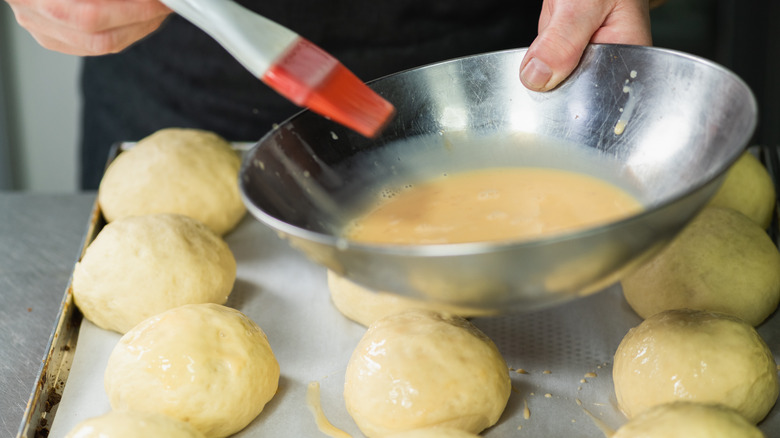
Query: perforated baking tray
561,358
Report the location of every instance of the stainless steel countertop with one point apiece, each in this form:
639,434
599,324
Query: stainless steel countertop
40,239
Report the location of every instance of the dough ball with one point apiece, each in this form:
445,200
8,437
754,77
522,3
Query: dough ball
748,188
185,171
695,356
420,369
435,432
143,265
133,424
206,364
722,262
365,306
688,420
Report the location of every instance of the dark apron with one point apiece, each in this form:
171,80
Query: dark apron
180,77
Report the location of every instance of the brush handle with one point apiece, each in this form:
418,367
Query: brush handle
255,41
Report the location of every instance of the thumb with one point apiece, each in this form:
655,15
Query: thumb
563,35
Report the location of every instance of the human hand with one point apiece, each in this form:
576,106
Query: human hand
88,27
567,26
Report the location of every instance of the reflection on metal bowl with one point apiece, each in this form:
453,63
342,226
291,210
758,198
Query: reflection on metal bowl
661,124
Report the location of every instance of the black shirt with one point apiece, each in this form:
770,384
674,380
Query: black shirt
180,77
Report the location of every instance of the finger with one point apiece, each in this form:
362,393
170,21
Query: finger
70,42
564,32
99,35
93,16
626,25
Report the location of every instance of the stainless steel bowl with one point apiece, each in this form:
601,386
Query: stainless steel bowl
663,124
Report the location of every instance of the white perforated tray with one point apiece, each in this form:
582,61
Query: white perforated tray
287,296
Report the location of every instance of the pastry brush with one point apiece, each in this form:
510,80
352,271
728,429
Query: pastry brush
293,66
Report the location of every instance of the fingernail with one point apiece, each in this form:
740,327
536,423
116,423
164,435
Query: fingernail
536,74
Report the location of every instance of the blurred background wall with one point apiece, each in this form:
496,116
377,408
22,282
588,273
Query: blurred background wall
39,104
39,110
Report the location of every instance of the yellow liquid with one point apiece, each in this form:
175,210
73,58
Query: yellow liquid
493,205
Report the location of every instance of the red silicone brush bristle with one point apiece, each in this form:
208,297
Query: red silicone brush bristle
308,76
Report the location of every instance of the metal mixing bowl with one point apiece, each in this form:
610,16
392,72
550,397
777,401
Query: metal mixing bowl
662,124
